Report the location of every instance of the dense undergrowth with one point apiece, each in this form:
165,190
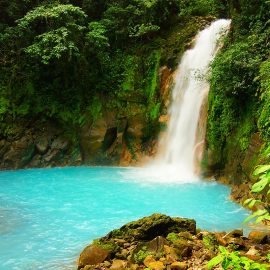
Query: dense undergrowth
66,60
239,96
69,61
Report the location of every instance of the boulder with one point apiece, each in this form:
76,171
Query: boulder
92,255
259,237
149,259
60,144
150,227
42,145
179,266
171,254
118,265
156,266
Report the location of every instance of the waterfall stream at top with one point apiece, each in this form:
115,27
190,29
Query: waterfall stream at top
176,150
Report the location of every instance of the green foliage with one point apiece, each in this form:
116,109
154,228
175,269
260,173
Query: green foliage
97,35
60,59
210,241
262,214
52,45
95,109
199,7
50,16
108,245
143,29
232,260
264,118
58,32
238,98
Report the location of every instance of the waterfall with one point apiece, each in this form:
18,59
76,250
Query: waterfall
176,151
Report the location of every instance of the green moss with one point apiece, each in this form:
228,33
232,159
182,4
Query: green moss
95,108
210,242
140,256
108,245
172,237
153,64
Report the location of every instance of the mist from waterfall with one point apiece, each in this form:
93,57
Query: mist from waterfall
176,151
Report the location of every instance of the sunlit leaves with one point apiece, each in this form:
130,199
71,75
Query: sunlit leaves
55,31
52,45
262,214
233,260
52,15
143,29
97,35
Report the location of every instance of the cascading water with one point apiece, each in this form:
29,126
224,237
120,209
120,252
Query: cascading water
175,158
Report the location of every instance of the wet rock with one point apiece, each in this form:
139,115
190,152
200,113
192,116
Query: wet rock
134,267
179,266
171,254
51,155
221,239
260,237
119,265
156,265
42,145
107,264
252,251
157,244
150,227
123,254
60,144
253,257
235,233
92,255
149,259
88,267
237,242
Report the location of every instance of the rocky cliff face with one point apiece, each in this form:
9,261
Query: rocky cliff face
115,138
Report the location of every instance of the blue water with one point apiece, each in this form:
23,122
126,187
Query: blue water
47,216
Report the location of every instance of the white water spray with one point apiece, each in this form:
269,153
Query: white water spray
176,154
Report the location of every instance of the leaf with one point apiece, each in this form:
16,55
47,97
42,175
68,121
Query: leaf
215,261
263,217
253,202
259,186
250,217
261,169
247,201
223,250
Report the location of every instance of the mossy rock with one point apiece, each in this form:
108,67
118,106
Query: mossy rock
150,227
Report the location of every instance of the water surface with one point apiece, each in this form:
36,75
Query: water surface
47,216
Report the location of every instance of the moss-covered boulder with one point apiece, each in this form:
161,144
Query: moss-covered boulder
179,248
150,227
143,237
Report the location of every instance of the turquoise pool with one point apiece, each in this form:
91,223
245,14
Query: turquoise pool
47,216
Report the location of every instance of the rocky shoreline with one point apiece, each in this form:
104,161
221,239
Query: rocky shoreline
160,242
